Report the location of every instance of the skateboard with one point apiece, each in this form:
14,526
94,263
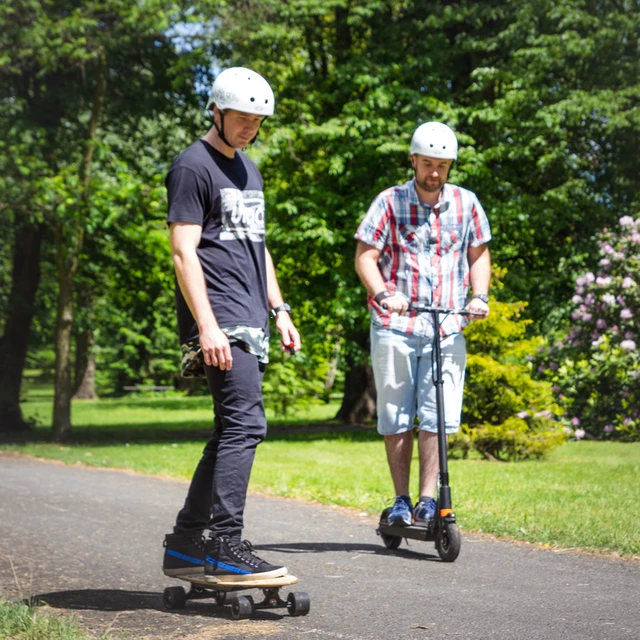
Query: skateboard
297,603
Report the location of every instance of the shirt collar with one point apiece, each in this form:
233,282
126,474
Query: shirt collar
442,204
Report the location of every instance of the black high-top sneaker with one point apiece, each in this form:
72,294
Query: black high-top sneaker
230,560
184,554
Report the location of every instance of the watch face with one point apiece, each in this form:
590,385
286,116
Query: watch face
483,296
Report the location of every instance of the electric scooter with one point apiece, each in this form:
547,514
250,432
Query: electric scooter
442,529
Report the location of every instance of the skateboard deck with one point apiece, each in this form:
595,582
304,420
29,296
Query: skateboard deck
226,585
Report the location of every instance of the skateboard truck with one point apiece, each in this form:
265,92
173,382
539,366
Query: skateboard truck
297,603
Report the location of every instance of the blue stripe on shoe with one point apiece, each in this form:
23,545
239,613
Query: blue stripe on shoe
175,554
227,567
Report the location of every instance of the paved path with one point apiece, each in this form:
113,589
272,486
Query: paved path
89,541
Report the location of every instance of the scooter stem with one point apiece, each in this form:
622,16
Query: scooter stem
444,493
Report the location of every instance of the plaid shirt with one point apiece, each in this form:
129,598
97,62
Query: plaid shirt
424,252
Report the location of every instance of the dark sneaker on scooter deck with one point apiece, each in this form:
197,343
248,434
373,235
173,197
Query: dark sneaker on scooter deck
184,554
424,512
400,514
230,560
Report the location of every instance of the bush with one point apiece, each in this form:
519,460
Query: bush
595,368
507,414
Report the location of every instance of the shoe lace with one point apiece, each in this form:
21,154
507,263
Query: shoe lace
244,551
400,503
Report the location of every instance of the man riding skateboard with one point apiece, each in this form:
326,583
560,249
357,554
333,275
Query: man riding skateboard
226,285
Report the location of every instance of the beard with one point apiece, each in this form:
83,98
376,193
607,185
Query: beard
430,186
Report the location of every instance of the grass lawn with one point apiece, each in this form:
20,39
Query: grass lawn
585,494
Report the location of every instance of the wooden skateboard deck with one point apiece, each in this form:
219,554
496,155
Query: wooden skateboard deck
226,585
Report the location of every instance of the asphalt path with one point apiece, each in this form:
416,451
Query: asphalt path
89,541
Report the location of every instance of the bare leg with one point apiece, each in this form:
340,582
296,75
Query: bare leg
399,449
429,463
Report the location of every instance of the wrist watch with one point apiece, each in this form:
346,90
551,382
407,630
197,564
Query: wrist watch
283,307
482,296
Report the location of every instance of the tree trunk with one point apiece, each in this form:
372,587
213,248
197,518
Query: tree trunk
68,254
359,401
334,364
64,328
13,344
85,367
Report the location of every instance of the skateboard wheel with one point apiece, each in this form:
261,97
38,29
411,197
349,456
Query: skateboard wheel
174,598
222,598
298,603
448,542
242,607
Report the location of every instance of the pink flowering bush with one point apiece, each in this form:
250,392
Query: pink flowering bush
595,369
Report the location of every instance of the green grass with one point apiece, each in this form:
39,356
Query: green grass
20,621
585,494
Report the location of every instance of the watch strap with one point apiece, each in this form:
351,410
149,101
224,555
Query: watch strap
282,307
379,297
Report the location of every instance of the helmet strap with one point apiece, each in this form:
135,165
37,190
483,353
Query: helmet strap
220,129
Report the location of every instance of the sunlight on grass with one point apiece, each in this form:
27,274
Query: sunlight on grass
19,621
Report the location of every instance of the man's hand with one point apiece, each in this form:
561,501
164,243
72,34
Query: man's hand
216,349
290,336
477,306
395,304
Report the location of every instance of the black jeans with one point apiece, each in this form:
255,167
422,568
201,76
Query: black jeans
218,491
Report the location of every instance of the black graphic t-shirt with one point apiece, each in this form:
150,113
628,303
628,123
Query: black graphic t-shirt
224,196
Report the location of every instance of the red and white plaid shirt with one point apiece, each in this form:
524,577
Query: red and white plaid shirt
424,252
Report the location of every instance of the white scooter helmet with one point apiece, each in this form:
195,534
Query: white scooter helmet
243,90
436,140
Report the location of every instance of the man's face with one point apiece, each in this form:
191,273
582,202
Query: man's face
431,173
240,128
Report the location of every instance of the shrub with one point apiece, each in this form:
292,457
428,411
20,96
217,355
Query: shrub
507,414
595,368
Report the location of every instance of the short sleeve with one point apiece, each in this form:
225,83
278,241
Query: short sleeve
187,195
374,228
480,231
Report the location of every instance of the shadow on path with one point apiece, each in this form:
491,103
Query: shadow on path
101,599
116,600
325,547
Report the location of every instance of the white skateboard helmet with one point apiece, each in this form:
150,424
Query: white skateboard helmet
435,140
243,90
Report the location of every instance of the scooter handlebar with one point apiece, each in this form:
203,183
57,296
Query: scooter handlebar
445,310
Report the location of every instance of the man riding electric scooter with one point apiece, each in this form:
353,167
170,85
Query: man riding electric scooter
421,243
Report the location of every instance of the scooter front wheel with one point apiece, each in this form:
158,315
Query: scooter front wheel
448,542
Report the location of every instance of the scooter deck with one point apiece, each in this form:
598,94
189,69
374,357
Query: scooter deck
426,534
211,583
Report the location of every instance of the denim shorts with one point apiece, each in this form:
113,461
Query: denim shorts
403,369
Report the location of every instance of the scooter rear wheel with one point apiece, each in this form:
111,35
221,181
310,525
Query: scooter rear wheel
448,542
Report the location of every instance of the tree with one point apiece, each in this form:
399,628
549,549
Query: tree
548,135
97,63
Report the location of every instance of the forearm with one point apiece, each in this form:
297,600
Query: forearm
192,285
274,295
367,269
480,269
